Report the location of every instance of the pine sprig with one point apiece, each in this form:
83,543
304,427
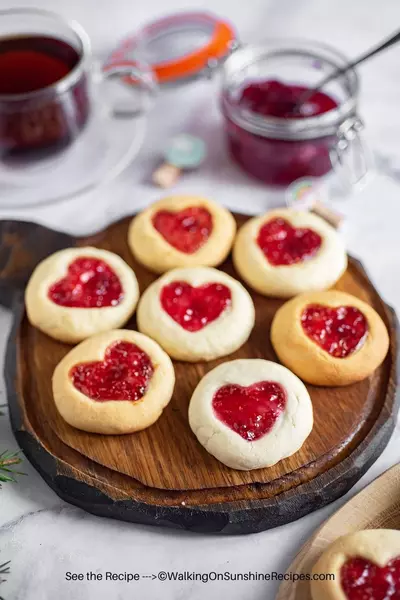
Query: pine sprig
7,473
8,462
4,570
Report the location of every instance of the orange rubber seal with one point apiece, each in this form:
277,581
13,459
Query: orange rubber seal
194,62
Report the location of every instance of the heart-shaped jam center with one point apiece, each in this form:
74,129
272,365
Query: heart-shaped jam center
339,331
283,244
89,283
363,580
186,230
124,374
250,411
195,307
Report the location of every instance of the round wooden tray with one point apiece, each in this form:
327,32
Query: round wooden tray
162,475
376,507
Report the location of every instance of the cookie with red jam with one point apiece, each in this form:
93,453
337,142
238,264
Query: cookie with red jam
251,413
78,292
113,383
287,252
196,313
365,565
182,231
329,338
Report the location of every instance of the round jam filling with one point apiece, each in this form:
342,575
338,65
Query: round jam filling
279,162
89,283
195,307
250,411
339,331
363,580
283,244
124,374
186,230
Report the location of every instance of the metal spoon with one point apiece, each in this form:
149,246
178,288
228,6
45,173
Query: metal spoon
342,70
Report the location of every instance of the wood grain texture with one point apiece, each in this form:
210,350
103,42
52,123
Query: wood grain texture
164,466
376,506
163,455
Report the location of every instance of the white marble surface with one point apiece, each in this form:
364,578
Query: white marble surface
44,537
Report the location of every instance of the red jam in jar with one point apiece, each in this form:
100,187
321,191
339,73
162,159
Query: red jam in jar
279,162
275,99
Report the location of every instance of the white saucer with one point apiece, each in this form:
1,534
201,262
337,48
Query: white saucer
104,149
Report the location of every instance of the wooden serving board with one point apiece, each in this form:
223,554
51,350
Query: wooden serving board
376,507
163,475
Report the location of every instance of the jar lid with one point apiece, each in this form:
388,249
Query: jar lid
179,46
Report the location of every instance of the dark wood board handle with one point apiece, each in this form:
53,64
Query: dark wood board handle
22,246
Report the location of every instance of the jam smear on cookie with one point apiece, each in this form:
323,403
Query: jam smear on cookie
124,374
339,331
195,307
283,244
250,411
89,283
361,579
186,230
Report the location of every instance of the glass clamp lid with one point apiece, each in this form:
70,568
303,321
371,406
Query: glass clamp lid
179,47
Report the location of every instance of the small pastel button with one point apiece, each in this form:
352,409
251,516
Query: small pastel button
185,151
303,193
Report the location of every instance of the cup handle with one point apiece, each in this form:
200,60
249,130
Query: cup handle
120,80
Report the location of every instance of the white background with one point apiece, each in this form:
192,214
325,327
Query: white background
44,537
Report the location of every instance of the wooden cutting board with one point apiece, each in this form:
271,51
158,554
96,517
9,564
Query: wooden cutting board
162,475
376,506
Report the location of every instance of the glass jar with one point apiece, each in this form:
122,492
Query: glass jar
280,150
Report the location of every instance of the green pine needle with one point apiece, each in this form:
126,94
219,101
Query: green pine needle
8,461
4,570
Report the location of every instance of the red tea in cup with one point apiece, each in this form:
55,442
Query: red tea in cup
31,63
43,96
